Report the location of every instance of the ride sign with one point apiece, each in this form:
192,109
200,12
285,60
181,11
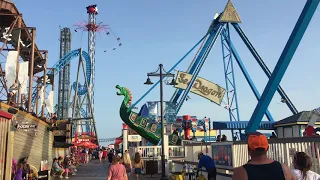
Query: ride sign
134,138
201,87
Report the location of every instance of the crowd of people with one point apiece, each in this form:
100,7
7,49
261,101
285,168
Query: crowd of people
263,168
260,166
65,166
21,169
123,167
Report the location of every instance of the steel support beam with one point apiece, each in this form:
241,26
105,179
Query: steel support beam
200,61
264,67
245,73
282,65
172,68
232,98
31,67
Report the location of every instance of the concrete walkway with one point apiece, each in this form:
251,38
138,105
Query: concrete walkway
98,171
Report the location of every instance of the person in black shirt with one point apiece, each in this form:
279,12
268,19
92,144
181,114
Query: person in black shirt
260,167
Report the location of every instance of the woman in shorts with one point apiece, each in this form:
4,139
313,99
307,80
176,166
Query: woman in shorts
138,165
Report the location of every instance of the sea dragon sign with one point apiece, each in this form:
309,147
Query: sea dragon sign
201,87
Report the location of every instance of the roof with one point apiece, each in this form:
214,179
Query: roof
227,125
8,15
302,117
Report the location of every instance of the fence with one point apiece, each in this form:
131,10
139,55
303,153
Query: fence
229,155
282,150
154,152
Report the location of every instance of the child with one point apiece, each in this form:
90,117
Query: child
302,164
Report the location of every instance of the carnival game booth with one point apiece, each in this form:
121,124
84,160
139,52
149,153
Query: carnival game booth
28,137
302,124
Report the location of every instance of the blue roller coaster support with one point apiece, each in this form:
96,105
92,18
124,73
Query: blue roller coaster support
245,72
170,70
264,67
233,106
282,65
65,60
200,61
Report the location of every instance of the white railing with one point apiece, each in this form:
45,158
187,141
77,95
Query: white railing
155,151
281,149
184,142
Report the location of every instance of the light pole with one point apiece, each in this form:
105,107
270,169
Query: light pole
161,73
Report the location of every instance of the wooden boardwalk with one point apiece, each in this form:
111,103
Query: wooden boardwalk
98,171
93,170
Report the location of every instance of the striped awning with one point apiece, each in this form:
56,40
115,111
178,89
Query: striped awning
227,125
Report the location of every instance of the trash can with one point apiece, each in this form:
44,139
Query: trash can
152,167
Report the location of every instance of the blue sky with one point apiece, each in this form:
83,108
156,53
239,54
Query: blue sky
154,32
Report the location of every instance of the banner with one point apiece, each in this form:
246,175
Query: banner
170,112
201,87
153,111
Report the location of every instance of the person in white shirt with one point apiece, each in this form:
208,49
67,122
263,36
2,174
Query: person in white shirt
302,164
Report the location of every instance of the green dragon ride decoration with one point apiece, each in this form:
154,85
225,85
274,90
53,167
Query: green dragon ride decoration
149,131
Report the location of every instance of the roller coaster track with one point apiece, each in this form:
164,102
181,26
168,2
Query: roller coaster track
61,64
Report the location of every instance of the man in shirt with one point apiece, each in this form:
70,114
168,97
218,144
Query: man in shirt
208,163
260,166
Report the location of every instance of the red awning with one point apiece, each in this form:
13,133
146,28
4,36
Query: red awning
5,115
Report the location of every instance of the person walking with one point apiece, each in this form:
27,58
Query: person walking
117,171
104,155
86,156
127,163
138,165
302,164
208,163
110,157
260,166
100,154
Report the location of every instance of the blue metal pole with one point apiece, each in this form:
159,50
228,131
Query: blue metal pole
263,66
245,73
202,57
145,94
225,65
212,31
233,79
282,65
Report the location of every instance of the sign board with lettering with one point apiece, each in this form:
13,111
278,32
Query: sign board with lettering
134,138
30,129
201,87
26,126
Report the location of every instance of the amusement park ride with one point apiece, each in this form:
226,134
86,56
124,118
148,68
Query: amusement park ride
76,101
78,105
144,124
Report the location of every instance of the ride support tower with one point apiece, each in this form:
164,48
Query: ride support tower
64,75
92,28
